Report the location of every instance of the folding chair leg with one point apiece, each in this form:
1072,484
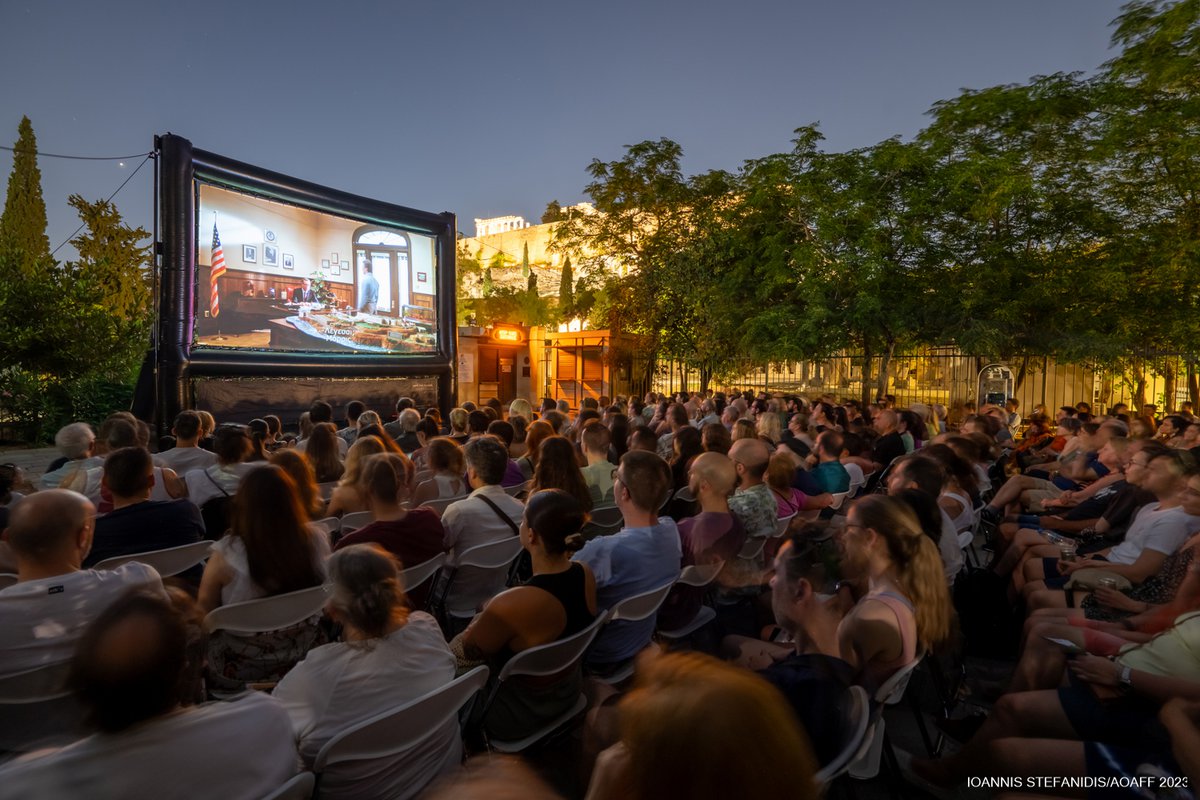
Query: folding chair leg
930,748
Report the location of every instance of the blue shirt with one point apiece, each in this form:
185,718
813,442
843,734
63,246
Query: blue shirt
832,477
630,562
368,291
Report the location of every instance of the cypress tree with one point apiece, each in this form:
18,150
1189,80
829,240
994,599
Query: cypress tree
23,222
525,260
566,291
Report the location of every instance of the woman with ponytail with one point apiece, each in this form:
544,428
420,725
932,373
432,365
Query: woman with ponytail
260,433
902,605
388,656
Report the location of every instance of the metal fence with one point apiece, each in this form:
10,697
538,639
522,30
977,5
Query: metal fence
947,376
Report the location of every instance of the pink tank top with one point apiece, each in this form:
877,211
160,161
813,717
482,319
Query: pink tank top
906,623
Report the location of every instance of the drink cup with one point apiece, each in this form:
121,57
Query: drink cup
1067,552
1107,583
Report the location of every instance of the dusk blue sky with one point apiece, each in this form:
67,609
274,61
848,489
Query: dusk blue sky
491,108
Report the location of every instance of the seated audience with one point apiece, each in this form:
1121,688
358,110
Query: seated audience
347,497
318,413
187,454
696,728
388,656
444,456
130,673
298,468
323,453
596,440
76,444
270,547
232,446
513,474
413,536
138,524
828,472
927,475
487,514
753,502
537,433
44,613
558,468
645,554
559,600
894,577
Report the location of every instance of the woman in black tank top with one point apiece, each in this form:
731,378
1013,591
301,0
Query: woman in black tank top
558,601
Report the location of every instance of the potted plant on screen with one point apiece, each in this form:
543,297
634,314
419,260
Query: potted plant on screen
321,287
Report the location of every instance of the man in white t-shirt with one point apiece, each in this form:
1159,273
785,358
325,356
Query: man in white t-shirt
928,476
44,613
487,514
187,454
1157,531
129,675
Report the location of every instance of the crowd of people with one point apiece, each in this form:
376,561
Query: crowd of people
837,536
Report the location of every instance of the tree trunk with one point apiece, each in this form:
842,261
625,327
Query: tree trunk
1193,382
1170,379
885,363
1139,386
866,377
705,377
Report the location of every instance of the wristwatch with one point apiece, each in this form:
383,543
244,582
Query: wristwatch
1126,679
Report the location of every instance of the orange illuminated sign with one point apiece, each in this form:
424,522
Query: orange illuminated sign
508,335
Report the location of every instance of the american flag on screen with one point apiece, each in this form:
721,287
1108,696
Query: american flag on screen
218,269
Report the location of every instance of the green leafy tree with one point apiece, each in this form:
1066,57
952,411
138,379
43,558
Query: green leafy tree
113,259
531,284
23,222
553,213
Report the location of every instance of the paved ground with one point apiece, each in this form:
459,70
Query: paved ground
32,461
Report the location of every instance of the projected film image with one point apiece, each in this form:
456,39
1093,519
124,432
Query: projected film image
277,277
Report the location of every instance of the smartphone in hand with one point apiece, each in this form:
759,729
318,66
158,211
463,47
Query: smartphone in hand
1067,645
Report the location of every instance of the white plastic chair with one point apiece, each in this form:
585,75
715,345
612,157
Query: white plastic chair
698,575
298,788
782,524
326,490
441,503
354,521
752,549
7,579
889,694
838,499
388,735
37,710
513,491
332,525
857,478
858,723
268,613
494,556
685,495
634,609
416,575
168,561
545,660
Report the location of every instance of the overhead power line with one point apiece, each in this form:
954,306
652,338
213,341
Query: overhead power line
73,158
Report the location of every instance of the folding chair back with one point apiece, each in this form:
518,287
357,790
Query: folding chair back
332,525
520,488
417,575
782,524
606,516
857,478
168,561
700,574
838,499
493,557
891,691
268,613
7,579
298,788
356,520
857,724
440,504
753,548
326,489
398,729
640,606
37,710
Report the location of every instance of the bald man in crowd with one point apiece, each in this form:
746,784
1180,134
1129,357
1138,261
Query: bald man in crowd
130,674
714,534
45,611
753,503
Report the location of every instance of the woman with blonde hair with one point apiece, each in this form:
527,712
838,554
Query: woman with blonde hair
388,656
744,429
458,425
444,457
297,466
347,496
769,428
697,728
520,408
895,578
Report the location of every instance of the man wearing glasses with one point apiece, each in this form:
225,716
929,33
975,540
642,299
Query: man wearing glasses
643,555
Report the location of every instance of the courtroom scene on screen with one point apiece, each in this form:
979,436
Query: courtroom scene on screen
274,276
